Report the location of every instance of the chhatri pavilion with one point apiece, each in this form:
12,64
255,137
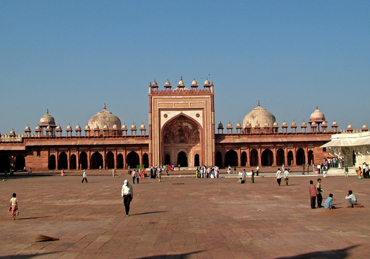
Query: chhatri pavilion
181,131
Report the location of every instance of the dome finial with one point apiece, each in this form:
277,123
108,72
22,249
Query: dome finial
317,107
258,103
47,111
105,106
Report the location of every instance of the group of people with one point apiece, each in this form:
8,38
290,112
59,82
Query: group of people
137,174
207,172
364,172
280,174
244,177
315,192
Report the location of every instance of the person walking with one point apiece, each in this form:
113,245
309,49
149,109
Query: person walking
257,170
13,206
84,176
138,177
133,175
359,172
319,191
127,194
252,176
159,173
286,176
346,171
278,176
312,192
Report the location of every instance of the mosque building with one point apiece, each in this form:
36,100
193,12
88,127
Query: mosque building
181,131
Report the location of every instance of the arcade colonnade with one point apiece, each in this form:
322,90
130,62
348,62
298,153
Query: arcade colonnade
264,156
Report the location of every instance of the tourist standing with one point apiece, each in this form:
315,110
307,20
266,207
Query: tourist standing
228,169
127,193
346,171
196,172
159,173
359,172
84,176
258,170
216,171
319,191
286,176
13,206
252,176
312,192
137,175
278,176
133,175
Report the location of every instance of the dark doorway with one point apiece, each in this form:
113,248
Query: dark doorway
62,163
4,163
196,160
219,159
146,160
96,161
167,159
354,157
110,160
83,160
310,157
52,162
290,158
120,161
72,162
231,158
301,160
267,157
254,158
133,159
244,159
182,160
280,158
20,163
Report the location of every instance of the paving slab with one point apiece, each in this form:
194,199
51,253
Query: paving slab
182,218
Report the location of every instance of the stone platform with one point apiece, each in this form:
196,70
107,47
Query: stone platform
182,218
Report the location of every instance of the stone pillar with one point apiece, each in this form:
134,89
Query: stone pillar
248,151
306,156
295,156
275,156
260,156
88,159
104,159
78,160
115,159
57,162
239,157
286,161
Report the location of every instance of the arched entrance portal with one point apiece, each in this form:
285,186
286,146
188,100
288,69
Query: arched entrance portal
19,163
310,157
110,160
96,161
167,159
280,159
196,160
267,158
120,161
52,162
254,158
181,134
133,159
231,158
146,160
62,162
300,157
182,160
4,163
72,162
244,159
290,158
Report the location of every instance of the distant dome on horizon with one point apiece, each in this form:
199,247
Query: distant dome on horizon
259,116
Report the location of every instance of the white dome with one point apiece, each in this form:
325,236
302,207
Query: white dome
103,118
259,114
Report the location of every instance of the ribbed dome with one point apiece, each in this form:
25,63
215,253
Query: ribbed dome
317,116
304,124
104,118
259,114
47,119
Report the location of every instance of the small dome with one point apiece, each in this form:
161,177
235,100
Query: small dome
317,116
167,84
257,125
335,124
27,129
229,126
38,128
142,127
314,124
285,125
294,124
266,125
102,118
105,127
155,84
349,128
115,127
181,83
47,119
220,126
324,124
258,114
124,127
87,127
194,83
304,124
69,128
58,128
78,127
133,127
12,132
207,83
238,125
275,125
364,128
48,128
97,127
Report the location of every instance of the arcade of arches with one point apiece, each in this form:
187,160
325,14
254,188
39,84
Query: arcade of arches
264,157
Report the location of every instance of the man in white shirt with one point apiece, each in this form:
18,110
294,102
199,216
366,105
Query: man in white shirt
127,193
286,176
278,176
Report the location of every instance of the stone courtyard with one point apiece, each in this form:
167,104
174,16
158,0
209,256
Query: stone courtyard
182,218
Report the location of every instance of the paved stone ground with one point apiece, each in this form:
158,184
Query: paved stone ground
182,218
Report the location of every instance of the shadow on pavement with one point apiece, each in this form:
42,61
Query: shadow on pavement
25,256
149,212
338,254
33,218
172,256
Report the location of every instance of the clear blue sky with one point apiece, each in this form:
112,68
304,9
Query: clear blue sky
71,57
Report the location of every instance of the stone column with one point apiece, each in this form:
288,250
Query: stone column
239,157
260,156
88,159
275,156
248,151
